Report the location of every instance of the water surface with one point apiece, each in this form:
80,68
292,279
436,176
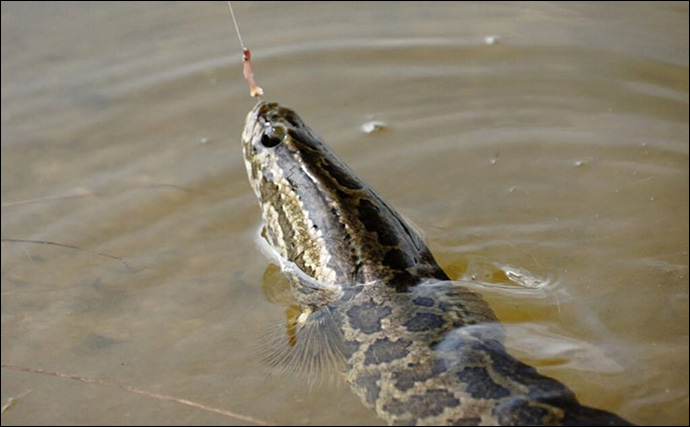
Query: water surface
542,148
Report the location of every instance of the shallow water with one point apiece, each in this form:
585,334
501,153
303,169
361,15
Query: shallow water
548,166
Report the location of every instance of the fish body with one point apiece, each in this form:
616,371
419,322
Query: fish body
416,347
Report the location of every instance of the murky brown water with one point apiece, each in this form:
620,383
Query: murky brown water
556,158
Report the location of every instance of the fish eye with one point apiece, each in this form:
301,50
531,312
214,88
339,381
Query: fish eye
273,135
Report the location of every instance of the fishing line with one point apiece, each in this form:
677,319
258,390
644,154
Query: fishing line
254,89
237,27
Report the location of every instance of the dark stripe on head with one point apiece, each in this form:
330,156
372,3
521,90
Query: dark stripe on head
370,216
341,175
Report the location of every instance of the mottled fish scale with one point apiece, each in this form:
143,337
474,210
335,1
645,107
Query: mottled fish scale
420,349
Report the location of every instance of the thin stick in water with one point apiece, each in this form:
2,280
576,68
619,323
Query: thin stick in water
12,400
85,193
89,380
63,245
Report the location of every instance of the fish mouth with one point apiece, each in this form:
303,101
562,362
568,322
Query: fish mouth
265,113
255,120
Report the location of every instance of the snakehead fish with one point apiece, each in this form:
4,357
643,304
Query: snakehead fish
416,347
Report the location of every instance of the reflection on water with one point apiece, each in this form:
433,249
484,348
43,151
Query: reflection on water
558,153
